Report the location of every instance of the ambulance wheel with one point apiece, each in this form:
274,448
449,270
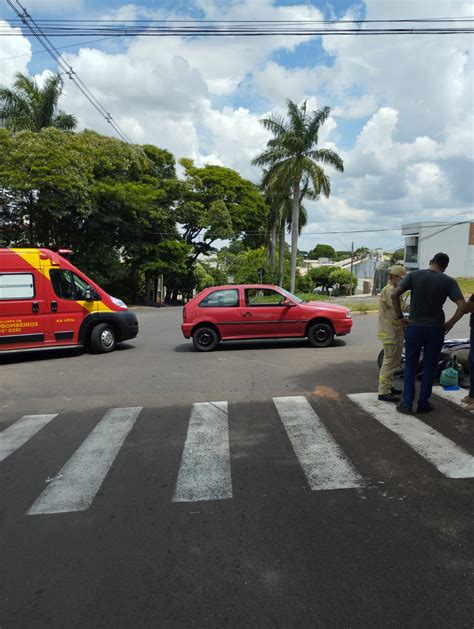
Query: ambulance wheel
103,339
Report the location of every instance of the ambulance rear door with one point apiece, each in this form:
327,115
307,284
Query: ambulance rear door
24,313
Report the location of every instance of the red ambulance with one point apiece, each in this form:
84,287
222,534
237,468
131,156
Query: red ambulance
46,302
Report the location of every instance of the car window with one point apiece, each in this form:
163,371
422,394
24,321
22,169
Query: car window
263,297
68,285
80,286
287,293
221,299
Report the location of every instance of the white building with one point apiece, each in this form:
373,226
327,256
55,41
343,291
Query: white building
362,269
423,240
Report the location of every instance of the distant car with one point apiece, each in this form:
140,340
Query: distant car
259,311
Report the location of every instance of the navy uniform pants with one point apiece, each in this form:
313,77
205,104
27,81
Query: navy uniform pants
429,339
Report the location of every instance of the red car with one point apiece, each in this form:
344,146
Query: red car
260,311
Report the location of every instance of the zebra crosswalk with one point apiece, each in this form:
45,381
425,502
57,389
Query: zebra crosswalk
205,468
446,456
76,485
205,472
323,462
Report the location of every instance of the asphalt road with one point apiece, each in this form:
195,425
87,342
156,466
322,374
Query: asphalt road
198,514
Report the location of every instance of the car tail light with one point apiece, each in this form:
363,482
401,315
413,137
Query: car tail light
184,313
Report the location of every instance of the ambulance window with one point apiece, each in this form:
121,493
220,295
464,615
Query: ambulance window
17,286
81,286
62,283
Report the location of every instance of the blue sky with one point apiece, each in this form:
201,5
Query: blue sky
401,107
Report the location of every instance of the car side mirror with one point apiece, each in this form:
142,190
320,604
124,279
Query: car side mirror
90,294
288,304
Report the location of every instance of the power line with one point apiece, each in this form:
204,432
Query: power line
328,233
65,67
460,18
253,28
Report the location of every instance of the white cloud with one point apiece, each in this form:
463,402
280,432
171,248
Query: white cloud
427,79
354,108
15,53
427,184
413,95
276,83
59,7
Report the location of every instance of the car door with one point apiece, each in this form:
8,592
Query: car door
24,320
266,313
64,292
222,307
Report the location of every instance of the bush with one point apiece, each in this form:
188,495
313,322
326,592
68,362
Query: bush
363,307
303,283
320,277
343,280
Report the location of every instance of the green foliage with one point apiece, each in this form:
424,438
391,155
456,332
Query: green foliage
319,276
208,276
118,207
28,107
362,306
101,197
361,252
312,296
466,284
245,267
304,283
342,255
293,162
217,203
345,281
330,276
203,278
322,251
397,256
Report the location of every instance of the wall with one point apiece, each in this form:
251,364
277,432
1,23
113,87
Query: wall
455,242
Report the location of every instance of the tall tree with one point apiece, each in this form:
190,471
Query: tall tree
278,198
28,107
216,203
322,251
112,203
291,155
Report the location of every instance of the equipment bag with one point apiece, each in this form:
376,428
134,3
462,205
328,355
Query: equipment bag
450,376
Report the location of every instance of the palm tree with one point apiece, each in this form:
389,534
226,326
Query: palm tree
280,203
29,107
291,155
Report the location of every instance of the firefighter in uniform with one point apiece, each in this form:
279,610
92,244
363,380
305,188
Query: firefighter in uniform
391,335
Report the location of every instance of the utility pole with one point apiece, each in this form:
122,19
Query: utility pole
352,256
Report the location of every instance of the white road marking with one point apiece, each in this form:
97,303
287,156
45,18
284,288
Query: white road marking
452,396
322,460
20,432
444,454
76,484
205,472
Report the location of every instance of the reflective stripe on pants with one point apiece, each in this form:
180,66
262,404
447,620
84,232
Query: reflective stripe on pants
392,358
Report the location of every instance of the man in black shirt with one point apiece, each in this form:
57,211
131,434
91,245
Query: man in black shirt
425,326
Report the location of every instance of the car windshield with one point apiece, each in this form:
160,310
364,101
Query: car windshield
291,296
